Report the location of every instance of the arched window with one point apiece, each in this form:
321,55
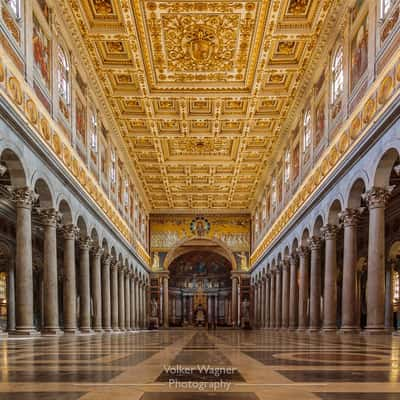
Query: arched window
264,209
126,193
256,223
15,6
63,75
396,287
337,74
113,167
385,7
93,132
274,197
307,130
287,166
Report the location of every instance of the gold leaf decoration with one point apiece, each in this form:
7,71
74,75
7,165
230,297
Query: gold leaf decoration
14,89
385,90
31,111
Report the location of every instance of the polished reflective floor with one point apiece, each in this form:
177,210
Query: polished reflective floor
201,364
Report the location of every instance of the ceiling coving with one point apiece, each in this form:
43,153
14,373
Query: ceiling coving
200,89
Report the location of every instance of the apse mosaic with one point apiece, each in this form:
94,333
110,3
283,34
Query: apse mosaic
200,270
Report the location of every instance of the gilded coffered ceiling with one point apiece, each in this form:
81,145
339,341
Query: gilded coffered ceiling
200,89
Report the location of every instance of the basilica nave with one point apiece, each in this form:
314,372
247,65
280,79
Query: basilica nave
199,199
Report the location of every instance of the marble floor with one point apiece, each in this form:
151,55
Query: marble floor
201,364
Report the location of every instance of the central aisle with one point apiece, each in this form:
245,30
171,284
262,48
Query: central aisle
201,364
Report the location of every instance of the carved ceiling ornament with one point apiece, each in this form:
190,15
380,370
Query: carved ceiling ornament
200,43
199,90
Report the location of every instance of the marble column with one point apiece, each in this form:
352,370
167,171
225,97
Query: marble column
144,305
262,303
49,219
272,309
258,304
137,303
23,199
165,301
11,297
350,219
96,288
121,298
70,233
267,284
127,302
84,285
377,199
330,282
315,284
278,301
294,295
106,295
255,308
285,293
234,301
304,255
389,296
114,296
133,299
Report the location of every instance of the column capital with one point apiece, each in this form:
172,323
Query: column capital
85,243
70,231
329,231
286,263
303,251
351,216
294,258
315,243
114,265
23,197
107,260
97,251
377,197
49,216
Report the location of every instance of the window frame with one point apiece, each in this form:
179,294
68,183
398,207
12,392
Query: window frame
66,67
337,84
307,131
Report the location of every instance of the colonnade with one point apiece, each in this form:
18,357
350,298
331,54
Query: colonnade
289,295
110,296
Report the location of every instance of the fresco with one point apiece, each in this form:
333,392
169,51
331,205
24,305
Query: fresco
80,120
319,122
359,53
41,52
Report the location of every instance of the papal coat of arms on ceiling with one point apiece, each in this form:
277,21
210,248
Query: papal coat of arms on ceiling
200,226
204,43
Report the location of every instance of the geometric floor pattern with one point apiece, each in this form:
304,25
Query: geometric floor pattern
201,364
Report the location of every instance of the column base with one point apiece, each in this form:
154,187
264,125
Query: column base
329,330
376,331
26,332
349,330
313,330
107,330
292,328
71,331
301,329
98,330
86,331
52,332
115,330
3,334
